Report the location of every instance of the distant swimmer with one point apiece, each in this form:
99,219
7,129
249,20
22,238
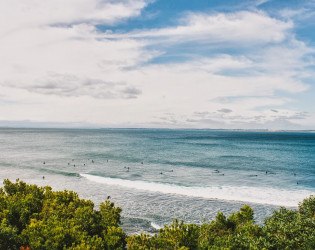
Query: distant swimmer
92,161
108,197
44,163
266,172
142,162
84,164
128,169
161,173
43,177
294,174
297,183
74,165
68,163
216,171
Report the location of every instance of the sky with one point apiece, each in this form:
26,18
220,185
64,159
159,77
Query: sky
158,64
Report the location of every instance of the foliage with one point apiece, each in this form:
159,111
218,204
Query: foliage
40,218
33,217
288,229
285,229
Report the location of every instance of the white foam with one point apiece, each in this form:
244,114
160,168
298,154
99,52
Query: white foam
156,226
271,196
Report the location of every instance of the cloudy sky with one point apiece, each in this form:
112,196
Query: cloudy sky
158,63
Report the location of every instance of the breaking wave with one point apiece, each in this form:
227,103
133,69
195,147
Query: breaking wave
260,195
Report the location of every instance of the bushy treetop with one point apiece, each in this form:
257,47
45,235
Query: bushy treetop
33,217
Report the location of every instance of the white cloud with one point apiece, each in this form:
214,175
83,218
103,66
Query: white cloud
16,14
244,26
56,66
290,59
289,13
260,2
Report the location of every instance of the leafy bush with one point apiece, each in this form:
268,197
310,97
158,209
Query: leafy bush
33,217
285,229
40,218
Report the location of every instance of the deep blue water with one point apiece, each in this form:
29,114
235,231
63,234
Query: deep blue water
157,175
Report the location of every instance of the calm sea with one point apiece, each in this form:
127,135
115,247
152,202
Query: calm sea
159,175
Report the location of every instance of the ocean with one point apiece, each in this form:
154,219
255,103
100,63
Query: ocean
156,175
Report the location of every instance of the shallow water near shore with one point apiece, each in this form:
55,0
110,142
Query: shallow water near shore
159,175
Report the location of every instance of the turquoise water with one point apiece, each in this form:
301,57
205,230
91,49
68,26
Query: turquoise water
157,175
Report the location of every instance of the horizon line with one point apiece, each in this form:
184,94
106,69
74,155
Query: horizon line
160,128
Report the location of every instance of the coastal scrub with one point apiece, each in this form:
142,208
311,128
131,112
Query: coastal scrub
33,217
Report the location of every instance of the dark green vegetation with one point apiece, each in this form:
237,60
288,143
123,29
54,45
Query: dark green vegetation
35,217
44,219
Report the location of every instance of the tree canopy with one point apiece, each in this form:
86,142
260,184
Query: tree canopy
40,218
33,217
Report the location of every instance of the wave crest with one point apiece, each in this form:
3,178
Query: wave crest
260,195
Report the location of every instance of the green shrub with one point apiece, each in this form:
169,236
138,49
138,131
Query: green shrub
40,218
33,217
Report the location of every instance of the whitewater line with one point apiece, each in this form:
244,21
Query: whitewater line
263,195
